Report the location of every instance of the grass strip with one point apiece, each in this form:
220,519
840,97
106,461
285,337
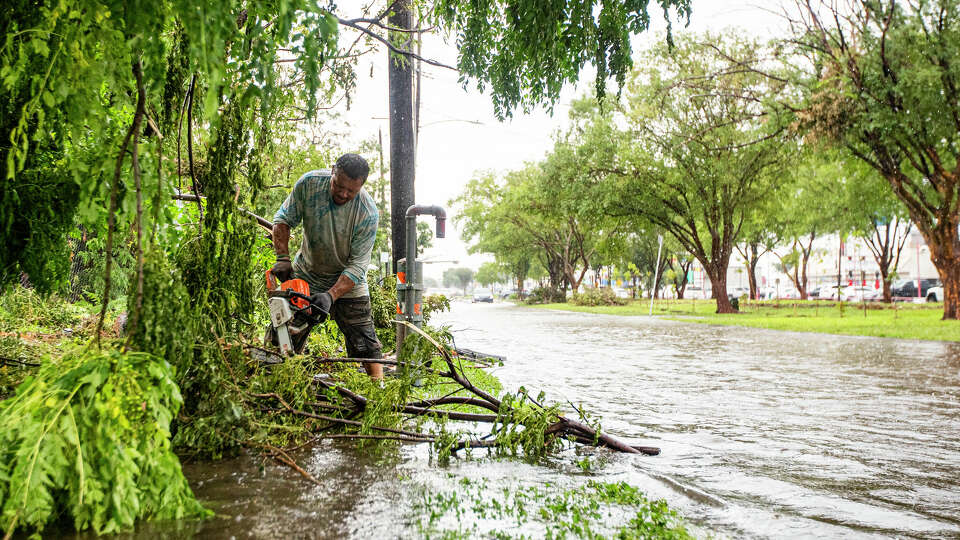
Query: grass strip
904,321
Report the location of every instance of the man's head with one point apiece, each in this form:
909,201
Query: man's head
349,174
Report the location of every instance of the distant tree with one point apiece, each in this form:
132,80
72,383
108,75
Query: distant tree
702,149
639,257
489,273
756,240
809,205
458,277
677,269
543,212
874,214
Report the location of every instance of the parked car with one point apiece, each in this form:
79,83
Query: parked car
737,292
935,294
621,293
827,292
699,293
858,293
907,288
482,295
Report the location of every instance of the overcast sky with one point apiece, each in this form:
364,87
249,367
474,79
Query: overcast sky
459,134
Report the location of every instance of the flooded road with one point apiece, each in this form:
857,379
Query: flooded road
764,434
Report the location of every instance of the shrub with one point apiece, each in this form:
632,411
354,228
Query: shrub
25,310
597,297
545,295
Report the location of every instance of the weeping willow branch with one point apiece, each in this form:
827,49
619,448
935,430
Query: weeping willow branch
114,189
193,174
137,181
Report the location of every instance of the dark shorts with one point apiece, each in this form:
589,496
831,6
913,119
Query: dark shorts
355,320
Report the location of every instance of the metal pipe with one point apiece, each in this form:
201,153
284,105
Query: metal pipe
421,210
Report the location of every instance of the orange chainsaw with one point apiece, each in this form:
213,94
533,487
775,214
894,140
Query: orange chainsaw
291,314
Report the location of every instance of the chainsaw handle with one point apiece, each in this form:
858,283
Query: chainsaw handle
294,294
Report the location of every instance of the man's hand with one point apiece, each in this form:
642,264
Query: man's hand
322,300
283,269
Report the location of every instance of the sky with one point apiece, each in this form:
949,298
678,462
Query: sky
459,134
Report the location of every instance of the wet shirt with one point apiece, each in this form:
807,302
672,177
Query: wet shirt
336,239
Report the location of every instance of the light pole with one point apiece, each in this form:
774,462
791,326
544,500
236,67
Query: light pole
656,274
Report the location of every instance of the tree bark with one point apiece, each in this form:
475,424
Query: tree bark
950,276
752,261
944,244
402,150
718,280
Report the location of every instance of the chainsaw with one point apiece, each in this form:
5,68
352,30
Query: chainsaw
291,314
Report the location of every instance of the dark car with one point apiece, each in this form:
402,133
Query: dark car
907,288
482,295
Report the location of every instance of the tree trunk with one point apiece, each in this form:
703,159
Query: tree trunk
402,150
718,280
944,247
805,258
887,292
940,233
659,276
950,276
752,257
752,278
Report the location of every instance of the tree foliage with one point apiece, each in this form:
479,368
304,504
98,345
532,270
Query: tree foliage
546,212
489,273
70,95
524,51
701,151
885,83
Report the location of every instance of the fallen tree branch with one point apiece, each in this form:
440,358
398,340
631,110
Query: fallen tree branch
379,437
455,400
355,404
282,457
18,363
452,415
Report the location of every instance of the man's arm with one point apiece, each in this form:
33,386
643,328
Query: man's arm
281,239
343,285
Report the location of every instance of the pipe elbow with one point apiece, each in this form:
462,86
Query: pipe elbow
436,211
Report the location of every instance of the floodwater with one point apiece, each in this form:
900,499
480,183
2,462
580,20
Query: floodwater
764,434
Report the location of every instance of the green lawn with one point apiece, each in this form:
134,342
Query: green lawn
907,321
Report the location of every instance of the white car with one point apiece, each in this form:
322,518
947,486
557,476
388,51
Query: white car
935,294
621,293
858,293
698,293
827,292
737,292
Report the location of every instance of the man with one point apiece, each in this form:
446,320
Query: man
339,227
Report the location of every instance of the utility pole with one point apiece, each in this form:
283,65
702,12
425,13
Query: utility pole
402,143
